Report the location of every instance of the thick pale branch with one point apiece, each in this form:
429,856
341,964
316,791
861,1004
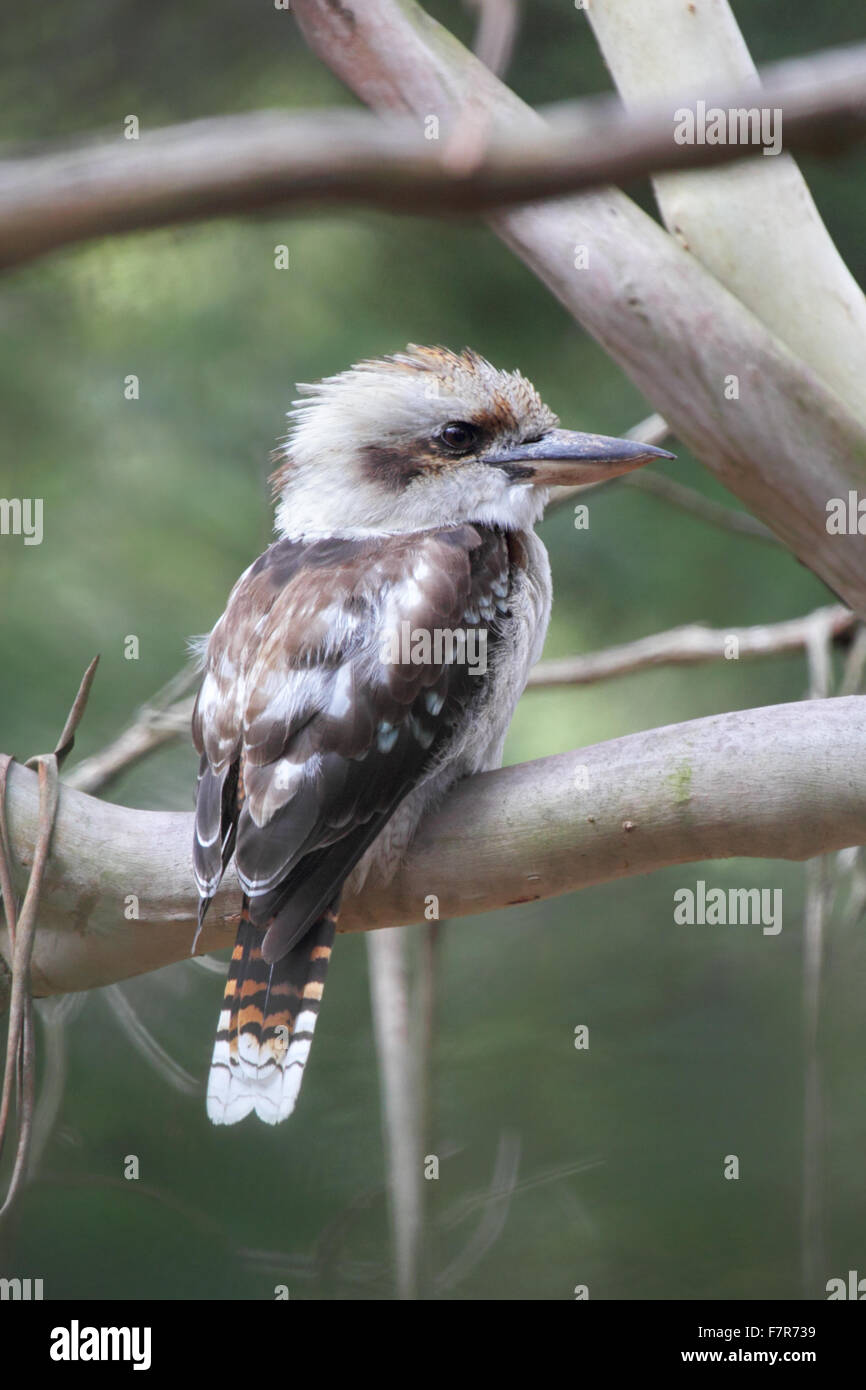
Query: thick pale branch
243,164
784,782
754,218
775,433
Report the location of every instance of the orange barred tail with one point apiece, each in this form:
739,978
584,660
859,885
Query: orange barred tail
267,1022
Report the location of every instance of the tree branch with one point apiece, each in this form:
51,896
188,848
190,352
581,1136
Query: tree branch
688,499
691,645
788,782
160,723
740,221
163,720
238,165
785,443
655,430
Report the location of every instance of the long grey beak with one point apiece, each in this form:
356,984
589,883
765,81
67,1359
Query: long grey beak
564,458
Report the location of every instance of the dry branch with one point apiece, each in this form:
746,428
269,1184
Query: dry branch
787,782
690,646
238,165
688,499
151,730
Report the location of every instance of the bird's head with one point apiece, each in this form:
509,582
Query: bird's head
429,438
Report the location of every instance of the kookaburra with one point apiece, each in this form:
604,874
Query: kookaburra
339,701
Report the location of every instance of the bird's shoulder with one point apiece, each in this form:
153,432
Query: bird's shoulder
307,610
309,596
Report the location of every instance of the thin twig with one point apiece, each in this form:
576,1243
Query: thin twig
475,1201
7,890
818,905
209,963
150,732
689,646
19,1038
687,499
20,1059
655,430
498,21
152,1051
66,742
54,1014
493,1216
163,720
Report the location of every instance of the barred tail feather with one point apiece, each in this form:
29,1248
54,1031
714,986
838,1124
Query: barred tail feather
266,1026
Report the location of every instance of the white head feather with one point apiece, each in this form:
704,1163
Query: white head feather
390,410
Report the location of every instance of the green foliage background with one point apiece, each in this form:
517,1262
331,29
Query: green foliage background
152,509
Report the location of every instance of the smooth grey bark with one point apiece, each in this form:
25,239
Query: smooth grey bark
786,445
783,782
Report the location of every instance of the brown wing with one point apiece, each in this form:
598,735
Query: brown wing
321,708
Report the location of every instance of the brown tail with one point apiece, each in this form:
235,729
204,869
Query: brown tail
266,1027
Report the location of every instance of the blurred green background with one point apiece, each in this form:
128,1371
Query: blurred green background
153,508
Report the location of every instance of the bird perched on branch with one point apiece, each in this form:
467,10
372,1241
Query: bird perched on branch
373,655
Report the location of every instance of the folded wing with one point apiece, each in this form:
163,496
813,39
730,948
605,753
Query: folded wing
327,697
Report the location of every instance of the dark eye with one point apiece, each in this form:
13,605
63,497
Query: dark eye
458,435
